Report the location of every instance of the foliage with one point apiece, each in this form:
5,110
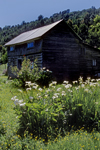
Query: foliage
57,109
94,32
79,139
43,76
4,58
2,68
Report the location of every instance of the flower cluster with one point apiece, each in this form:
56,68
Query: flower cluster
17,101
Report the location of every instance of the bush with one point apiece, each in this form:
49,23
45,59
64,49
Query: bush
42,77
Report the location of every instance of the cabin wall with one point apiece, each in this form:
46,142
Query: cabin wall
67,56
16,56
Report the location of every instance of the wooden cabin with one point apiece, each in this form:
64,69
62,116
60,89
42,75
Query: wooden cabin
58,48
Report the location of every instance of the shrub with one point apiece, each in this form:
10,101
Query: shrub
41,76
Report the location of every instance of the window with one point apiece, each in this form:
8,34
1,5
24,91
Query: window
30,45
82,51
94,62
11,48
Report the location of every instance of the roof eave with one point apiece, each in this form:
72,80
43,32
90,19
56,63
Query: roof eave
20,43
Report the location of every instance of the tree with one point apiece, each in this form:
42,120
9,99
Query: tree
94,32
4,57
40,17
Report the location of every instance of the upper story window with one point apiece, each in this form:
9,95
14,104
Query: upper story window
11,48
30,45
94,62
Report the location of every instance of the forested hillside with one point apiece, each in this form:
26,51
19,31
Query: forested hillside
86,23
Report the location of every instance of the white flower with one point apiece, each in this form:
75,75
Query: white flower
63,93
28,83
54,83
68,86
16,102
56,94
13,98
96,102
76,88
74,82
92,80
30,97
98,80
44,68
46,109
53,97
58,89
40,89
20,101
28,89
20,90
34,87
65,82
70,90
23,104
82,85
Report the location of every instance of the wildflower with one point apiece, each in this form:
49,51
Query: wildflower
30,97
98,80
54,97
40,89
63,93
28,89
68,86
76,88
92,80
65,82
13,98
74,82
58,89
46,110
23,104
96,102
82,85
20,101
16,102
34,87
44,68
56,94
54,83
70,91
28,83
48,90
20,90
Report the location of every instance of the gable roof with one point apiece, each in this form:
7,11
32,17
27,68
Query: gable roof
31,35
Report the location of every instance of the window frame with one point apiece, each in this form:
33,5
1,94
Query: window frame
30,45
94,62
12,48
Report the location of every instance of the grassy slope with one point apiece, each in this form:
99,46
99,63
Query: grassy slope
76,140
2,67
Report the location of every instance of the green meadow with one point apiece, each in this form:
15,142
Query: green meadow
2,67
65,116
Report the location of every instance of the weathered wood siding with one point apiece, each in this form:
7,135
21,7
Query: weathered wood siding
21,50
67,56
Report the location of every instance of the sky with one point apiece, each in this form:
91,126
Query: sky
13,12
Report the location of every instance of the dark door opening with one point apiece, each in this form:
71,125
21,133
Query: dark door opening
19,63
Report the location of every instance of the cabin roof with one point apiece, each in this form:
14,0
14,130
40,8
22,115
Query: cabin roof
31,35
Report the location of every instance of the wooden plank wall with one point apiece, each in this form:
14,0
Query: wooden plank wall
67,56
21,50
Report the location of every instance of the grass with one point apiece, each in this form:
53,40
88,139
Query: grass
78,139
2,67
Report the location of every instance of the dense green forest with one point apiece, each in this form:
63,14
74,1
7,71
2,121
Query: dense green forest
86,24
